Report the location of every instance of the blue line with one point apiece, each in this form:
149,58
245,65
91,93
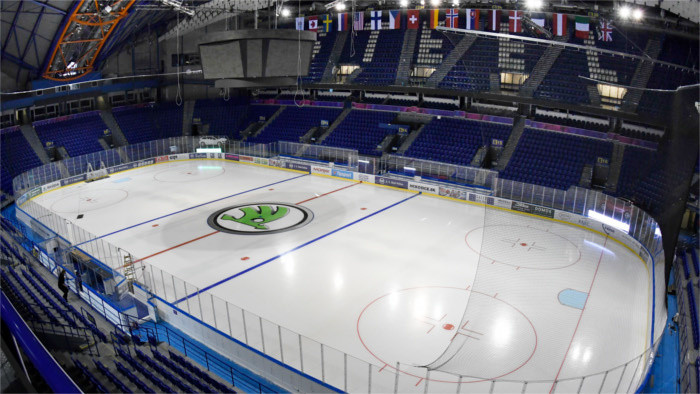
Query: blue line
187,209
291,250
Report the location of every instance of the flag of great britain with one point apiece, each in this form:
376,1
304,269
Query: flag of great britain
605,32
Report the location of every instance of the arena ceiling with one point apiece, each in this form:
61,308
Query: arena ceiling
59,39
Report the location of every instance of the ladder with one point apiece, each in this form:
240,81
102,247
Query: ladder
129,272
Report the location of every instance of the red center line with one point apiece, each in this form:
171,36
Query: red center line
216,232
170,248
580,316
330,192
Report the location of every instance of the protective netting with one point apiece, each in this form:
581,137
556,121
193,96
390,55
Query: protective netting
495,337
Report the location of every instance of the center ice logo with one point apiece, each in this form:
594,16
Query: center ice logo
260,218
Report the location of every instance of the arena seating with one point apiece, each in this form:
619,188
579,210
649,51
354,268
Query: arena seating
322,51
136,123
168,120
566,120
453,140
77,133
640,135
562,82
381,70
635,162
223,117
16,156
432,46
360,130
646,176
402,101
472,71
553,159
294,122
449,104
656,104
374,99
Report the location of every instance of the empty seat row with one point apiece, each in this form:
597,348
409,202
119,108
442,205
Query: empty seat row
113,378
87,374
133,378
218,387
162,387
15,295
163,372
201,386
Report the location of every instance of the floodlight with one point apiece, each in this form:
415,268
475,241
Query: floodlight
624,12
534,4
637,14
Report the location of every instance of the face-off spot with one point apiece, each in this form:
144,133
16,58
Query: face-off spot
179,174
523,247
89,200
417,326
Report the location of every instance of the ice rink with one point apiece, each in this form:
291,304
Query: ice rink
385,275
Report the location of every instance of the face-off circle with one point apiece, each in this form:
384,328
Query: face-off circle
416,326
89,200
260,218
181,174
523,247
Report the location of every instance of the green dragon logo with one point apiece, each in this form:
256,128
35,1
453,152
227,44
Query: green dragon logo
260,218
257,218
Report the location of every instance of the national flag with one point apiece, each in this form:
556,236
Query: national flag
473,19
376,20
559,24
537,18
313,23
494,22
327,23
433,18
413,19
605,32
582,27
394,19
300,23
515,22
342,21
359,23
452,18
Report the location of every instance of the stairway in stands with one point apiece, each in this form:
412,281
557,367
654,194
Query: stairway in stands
117,134
518,128
333,125
187,114
267,123
615,167
33,139
642,74
450,60
542,67
340,39
403,72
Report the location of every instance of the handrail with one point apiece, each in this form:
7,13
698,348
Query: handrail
48,367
